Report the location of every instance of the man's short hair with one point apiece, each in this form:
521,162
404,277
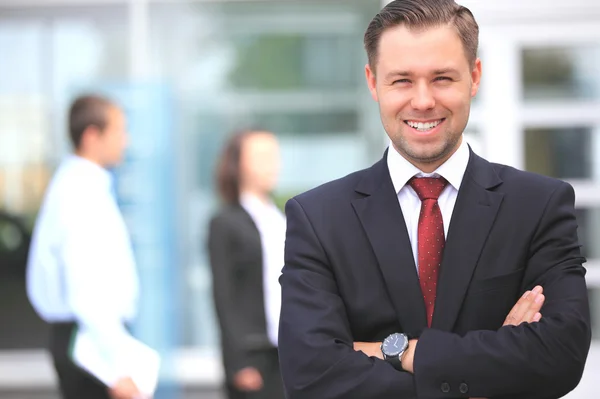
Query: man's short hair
86,111
423,14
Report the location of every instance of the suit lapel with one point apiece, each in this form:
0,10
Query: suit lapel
472,218
382,219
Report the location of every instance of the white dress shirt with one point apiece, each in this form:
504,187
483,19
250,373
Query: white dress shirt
401,171
81,266
271,225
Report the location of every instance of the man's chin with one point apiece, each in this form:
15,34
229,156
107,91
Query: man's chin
424,153
428,151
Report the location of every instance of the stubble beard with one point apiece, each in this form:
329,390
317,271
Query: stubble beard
428,154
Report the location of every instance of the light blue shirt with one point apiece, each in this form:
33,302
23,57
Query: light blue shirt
81,266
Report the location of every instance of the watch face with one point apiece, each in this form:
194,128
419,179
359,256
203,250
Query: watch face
394,345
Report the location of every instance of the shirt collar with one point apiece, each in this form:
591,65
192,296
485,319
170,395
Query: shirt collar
92,171
453,170
252,203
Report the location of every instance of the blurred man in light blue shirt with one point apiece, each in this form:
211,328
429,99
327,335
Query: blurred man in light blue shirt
81,273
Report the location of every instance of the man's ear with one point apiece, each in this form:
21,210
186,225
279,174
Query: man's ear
90,135
476,77
371,81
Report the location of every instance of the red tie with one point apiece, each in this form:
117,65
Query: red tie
431,238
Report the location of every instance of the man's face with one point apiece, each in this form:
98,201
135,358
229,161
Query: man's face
113,139
423,83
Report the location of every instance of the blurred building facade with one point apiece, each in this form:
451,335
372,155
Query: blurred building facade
190,71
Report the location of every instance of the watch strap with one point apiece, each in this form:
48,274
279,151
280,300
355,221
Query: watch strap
395,361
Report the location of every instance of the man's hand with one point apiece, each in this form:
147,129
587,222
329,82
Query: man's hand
371,349
248,380
408,356
527,309
125,388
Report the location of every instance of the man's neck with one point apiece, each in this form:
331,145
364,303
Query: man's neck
89,157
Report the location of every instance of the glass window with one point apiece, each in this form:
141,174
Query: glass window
292,61
295,68
594,297
307,122
561,73
23,128
47,56
565,153
569,153
41,72
589,231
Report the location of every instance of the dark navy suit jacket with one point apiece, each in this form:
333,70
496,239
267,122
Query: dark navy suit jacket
350,276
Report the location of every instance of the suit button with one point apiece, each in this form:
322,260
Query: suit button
445,387
463,388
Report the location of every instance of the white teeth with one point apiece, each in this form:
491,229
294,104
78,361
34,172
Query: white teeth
423,126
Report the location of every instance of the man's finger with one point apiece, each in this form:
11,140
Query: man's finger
371,349
518,309
527,301
534,308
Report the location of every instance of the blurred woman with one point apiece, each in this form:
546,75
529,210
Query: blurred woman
246,243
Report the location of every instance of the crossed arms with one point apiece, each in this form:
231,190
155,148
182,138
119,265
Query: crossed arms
528,357
526,310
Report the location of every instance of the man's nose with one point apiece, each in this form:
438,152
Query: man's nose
423,98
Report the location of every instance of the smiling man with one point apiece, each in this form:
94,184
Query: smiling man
434,273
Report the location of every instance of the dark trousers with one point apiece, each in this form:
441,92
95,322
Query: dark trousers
267,362
74,383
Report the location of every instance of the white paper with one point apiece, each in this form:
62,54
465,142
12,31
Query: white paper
143,362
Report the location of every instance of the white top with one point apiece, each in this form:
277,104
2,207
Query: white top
401,171
271,225
81,266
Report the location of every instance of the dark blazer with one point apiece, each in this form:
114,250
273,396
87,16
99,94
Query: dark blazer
350,276
236,260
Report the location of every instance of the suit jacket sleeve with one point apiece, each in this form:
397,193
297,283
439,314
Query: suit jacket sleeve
537,360
315,340
221,247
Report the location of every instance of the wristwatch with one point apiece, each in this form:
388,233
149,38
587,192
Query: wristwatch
393,347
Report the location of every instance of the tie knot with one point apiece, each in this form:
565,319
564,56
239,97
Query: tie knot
428,187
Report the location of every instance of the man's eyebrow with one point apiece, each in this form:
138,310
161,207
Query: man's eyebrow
445,71
398,73
442,71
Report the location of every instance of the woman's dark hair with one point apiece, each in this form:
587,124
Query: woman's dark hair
228,176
